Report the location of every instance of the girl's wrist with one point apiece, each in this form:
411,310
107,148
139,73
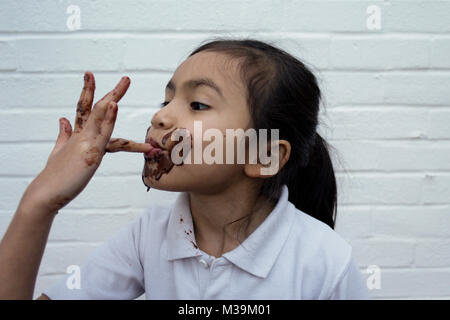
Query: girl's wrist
31,205
35,211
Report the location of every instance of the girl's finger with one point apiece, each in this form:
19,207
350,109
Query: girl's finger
67,127
119,144
107,125
85,103
118,92
98,113
65,131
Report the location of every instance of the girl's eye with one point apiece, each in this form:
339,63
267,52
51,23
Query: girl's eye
194,105
198,106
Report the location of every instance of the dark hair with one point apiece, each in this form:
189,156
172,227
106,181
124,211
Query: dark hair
283,93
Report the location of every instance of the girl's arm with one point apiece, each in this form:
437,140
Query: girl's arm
21,250
70,166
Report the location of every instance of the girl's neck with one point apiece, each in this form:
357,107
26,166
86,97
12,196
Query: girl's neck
212,215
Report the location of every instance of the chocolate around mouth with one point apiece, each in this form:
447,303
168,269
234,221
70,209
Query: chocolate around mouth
160,163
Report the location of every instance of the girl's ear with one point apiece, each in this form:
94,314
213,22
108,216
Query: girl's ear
277,160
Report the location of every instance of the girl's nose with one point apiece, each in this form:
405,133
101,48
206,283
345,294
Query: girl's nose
160,121
159,124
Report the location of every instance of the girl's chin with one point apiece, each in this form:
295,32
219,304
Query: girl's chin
164,183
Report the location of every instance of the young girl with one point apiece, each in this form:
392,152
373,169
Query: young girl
233,232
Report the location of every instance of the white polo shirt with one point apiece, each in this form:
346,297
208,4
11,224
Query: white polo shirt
291,255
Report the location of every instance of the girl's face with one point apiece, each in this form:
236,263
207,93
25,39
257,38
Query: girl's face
206,88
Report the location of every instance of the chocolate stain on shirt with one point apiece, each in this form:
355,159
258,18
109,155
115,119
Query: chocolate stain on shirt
193,243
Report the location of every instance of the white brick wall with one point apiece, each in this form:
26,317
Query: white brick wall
387,112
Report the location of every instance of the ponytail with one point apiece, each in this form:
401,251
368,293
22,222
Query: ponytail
313,189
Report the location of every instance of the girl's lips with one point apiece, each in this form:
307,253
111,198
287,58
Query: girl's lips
153,151
155,148
153,143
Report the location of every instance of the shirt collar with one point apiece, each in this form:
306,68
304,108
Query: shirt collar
256,254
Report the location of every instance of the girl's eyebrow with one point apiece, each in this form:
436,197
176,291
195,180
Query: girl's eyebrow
194,83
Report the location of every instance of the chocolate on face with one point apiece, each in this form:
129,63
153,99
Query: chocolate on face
160,162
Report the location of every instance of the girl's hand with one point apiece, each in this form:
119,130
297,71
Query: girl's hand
77,155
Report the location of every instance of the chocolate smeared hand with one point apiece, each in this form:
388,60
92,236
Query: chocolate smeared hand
158,160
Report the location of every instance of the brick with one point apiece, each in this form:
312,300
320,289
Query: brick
410,88
418,16
385,122
432,253
411,221
393,156
440,51
384,253
369,188
68,54
381,53
436,188
336,16
413,283
8,54
438,124
351,88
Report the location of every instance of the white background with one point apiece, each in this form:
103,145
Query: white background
386,111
